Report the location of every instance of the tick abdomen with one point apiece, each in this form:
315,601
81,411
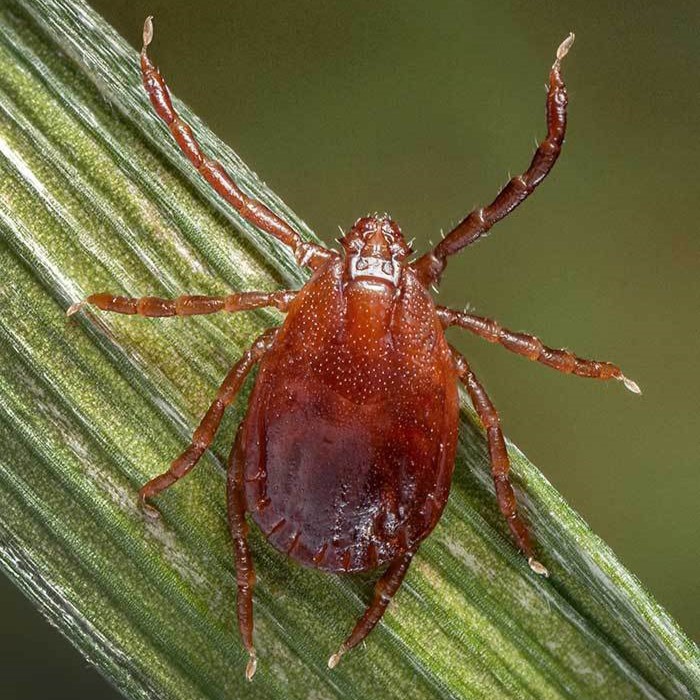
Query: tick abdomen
350,436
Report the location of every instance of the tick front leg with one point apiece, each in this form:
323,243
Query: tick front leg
245,572
384,591
185,305
204,434
500,464
531,347
306,254
430,266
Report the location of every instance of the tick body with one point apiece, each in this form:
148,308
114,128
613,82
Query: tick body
345,456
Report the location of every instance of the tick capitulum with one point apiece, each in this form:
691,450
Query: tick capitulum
345,457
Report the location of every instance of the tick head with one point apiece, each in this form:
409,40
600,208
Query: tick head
375,250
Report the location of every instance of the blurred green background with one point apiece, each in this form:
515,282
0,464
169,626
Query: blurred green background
422,110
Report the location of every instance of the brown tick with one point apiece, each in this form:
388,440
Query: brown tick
345,457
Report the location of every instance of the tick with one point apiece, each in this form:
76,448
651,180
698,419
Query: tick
344,459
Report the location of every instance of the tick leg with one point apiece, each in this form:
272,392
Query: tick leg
186,305
529,346
306,254
384,591
431,265
500,464
245,572
204,434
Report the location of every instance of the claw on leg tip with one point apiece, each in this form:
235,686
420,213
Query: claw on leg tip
565,46
630,385
251,666
74,308
537,567
151,512
335,658
148,31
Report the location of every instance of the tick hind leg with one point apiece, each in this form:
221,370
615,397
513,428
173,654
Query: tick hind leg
500,464
384,591
204,434
245,573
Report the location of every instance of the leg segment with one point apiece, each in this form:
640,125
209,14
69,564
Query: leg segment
204,434
431,265
531,347
245,573
500,464
186,305
306,254
384,591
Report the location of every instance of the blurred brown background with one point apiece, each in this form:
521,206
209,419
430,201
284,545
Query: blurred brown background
422,109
